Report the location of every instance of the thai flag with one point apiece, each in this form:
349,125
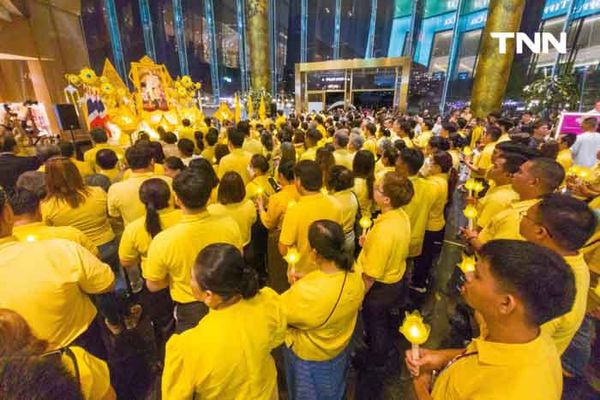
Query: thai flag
96,111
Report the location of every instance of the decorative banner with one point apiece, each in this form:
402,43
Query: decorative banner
258,41
570,122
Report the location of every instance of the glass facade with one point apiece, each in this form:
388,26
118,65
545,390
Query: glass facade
442,37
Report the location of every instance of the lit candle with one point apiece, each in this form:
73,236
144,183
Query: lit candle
470,185
365,223
478,187
415,331
584,174
292,257
471,213
30,238
467,264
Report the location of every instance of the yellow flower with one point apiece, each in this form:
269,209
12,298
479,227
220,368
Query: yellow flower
88,76
73,79
108,88
186,81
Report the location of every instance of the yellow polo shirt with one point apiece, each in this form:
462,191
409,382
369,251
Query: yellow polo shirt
173,251
297,220
436,221
382,171
505,225
83,167
252,146
565,158
371,145
243,213
278,203
209,153
238,161
422,140
529,371
418,211
37,231
349,207
115,175
124,197
136,240
309,302
228,354
310,154
563,328
94,378
48,284
90,217
90,155
484,162
496,200
186,132
259,183
362,192
384,253
158,169
344,158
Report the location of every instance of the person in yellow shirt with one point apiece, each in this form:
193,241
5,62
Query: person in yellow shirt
321,311
173,250
319,126
341,154
238,159
313,205
173,166
100,139
456,144
404,131
67,149
565,155
107,164
211,138
370,131
422,139
228,354
48,283
363,168
261,185
186,131
483,163
123,199
516,287
29,226
387,162
312,138
340,184
505,126
408,164
563,224
356,142
534,179
382,262
17,341
251,144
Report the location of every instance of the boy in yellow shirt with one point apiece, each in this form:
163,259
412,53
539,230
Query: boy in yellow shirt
516,287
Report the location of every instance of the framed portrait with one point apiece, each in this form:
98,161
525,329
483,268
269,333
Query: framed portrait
151,81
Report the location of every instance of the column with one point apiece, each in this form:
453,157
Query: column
493,68
336,29
303,32
147,29
371,37
258,42
241,25
212,45
115,38
180,37
273,44
453,56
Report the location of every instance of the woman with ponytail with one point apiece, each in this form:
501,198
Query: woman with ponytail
321,310
228,354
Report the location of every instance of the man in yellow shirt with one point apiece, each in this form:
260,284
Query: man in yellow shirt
312,138
563,224
565,155
341,154
211,138
505,126
535,178
422,139
272,217
173,251
100,139
48,283
238,159
370,131
123,197
251,144
382,262
516,287
68,150
186,131
312,206
483,163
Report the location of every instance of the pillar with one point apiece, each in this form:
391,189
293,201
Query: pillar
258,43
493,68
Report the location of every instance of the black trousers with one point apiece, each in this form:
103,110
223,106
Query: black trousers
187,315
432,247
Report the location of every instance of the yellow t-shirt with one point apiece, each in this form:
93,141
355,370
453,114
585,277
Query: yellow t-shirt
310,154
563,328
259,183
124,197
349,207
344,158
310,301
252,146
362,192
186,132
90,155
158,169
476,135
382,171
173,251
115,175
278,203
408,142
383,256
237,161
209,153
243,213
323,131
83,167
136,240
228,354
436,221
37,231
297,220
505,225
496,200
94,378
371,145
48,284
418,211
529,371
505,137
484,162
422,140
565,158
455,154
90,217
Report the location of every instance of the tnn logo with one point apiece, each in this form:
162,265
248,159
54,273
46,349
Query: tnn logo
539,45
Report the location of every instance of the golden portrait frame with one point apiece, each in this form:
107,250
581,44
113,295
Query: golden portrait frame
151,82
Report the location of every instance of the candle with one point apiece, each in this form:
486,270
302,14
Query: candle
467,264
292,257
470,185
365,223
415,331
478,187
30,238
471,213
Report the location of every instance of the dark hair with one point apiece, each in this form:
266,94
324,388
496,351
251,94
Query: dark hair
220,268
444,160
186,122
549,149
494,132
340,178
221,150
505,124
513,161
192,188
211,136
428,124
64,182
328,240
540,123
456,140
439,143
398,188
309,174
231,188
550,173
259,162
592,122
174,163
203,166
24,202
363,166
342,138
538,276
449,126
7,143
568,220
244,127
235,137
138,156
313,135
390,153
99,135
407,127
155,195
569,139
371,128
287,170
170,138
518,148
413,159
67,149
186,147
267,140
157,152
106,159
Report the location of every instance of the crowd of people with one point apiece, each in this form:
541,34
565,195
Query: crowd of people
301,240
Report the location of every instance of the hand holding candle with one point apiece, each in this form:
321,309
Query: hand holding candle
415,331
470,185
471,213
365,223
